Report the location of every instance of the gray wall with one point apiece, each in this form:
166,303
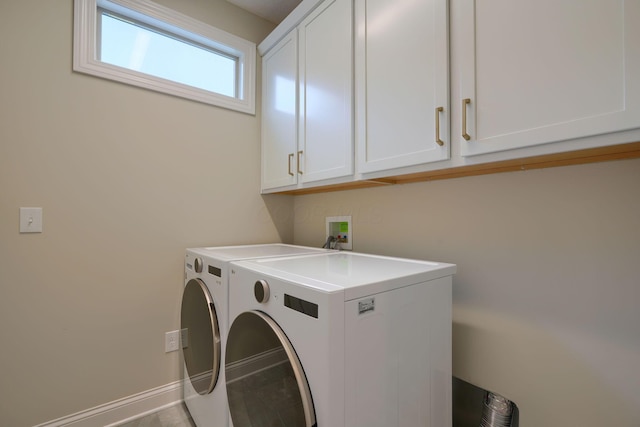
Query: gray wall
128,179
547,294
545,297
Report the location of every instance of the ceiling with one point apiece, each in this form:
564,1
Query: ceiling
271,10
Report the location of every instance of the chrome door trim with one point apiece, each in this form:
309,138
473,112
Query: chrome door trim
215,373
298,371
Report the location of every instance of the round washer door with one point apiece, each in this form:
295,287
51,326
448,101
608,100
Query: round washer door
202,347
266,384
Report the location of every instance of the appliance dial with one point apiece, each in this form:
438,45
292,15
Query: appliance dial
261,291
197,265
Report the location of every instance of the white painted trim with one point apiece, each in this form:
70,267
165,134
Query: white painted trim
84,52
289,23
122,410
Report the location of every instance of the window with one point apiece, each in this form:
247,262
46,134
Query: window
145,44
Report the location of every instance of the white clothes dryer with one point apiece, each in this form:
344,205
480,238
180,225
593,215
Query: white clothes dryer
204,324
339,340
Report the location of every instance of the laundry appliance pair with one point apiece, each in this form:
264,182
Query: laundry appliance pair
204,324
336,339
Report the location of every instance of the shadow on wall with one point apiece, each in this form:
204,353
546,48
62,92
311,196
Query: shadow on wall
543,369
279,210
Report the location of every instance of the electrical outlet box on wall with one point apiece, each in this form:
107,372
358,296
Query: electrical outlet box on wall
341,229
171,341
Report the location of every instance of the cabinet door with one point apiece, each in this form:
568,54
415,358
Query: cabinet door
279,114
402,92
326,96
541,71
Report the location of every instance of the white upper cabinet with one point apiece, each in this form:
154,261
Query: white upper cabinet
307,124
368,82
326,96
280,114
402,83
543,71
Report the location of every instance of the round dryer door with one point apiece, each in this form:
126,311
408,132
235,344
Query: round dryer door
201,348
266,384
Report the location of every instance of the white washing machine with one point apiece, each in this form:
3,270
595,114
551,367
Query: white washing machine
339,340
204,324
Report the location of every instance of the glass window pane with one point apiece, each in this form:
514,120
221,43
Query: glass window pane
134,47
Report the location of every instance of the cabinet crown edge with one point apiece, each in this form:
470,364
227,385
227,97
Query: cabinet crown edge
289,23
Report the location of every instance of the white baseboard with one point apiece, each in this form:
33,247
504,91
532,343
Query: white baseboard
122,410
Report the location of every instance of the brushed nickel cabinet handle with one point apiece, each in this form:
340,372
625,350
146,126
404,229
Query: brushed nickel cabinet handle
299,154
438,140
290,158
465,102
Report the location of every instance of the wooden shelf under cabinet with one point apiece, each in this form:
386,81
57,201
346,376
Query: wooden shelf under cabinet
592,155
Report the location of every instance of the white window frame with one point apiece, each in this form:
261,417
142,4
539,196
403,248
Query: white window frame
85,60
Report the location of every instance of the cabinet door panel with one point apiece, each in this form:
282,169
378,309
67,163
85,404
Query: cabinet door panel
546,70
279,114
326,130
401,78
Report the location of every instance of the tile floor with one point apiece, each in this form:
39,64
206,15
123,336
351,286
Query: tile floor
269,391
268,397
174,416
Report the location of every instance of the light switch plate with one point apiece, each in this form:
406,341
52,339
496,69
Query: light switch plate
31,220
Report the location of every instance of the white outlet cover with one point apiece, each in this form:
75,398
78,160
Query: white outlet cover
171,341
31,220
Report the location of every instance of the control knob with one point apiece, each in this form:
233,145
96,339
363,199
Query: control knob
261,291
